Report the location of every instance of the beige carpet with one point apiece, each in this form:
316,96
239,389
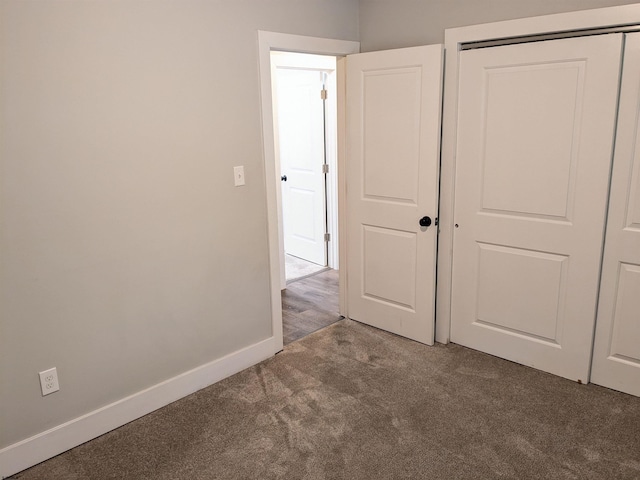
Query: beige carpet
296,268
353,402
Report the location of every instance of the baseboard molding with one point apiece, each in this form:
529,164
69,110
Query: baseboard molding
40,447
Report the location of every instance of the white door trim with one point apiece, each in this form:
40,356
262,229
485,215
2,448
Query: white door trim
268,41
454,38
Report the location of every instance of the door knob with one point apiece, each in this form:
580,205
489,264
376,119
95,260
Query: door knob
425,221
283,178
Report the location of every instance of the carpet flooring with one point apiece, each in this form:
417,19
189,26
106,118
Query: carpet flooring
354,402
296,268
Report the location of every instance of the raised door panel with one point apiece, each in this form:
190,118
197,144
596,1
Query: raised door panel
389,266
507,276
535,136
625,332
518,166
391,134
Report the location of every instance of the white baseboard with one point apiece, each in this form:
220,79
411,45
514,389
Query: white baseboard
40,447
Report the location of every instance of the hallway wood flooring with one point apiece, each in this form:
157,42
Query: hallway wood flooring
309,304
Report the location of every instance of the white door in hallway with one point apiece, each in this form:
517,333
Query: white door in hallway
393,125
535,137
301,123
616,355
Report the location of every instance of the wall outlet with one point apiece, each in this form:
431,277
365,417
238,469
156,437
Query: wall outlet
49,381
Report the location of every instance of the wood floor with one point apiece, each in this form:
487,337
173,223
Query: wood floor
309,304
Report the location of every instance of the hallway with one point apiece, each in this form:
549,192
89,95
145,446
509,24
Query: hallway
309,304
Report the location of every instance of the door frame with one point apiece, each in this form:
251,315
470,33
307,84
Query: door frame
268,41
610,17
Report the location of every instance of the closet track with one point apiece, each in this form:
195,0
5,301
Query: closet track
549,36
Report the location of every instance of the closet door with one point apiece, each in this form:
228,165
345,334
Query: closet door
535,136
616,355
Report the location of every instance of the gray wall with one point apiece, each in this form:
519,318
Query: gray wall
404,23
127,256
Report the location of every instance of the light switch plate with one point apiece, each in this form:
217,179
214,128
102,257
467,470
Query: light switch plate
238,176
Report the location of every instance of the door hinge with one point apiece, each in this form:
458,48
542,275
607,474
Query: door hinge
325,168
323,94
327,237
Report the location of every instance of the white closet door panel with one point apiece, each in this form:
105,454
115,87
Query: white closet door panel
535,136
616,355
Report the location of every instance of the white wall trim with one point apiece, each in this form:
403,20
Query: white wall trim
268,41
61,438
454,37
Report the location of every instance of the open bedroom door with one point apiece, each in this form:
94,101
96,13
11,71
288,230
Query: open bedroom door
393,153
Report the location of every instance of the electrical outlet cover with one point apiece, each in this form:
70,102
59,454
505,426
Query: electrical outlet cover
49,381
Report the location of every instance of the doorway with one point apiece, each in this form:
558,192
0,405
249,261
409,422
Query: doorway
305,131
304,100
268,42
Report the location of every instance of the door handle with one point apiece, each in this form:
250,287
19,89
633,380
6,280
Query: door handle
425,221
283,178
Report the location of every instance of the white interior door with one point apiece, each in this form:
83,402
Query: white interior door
393,124
616,355
535,138
301,140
